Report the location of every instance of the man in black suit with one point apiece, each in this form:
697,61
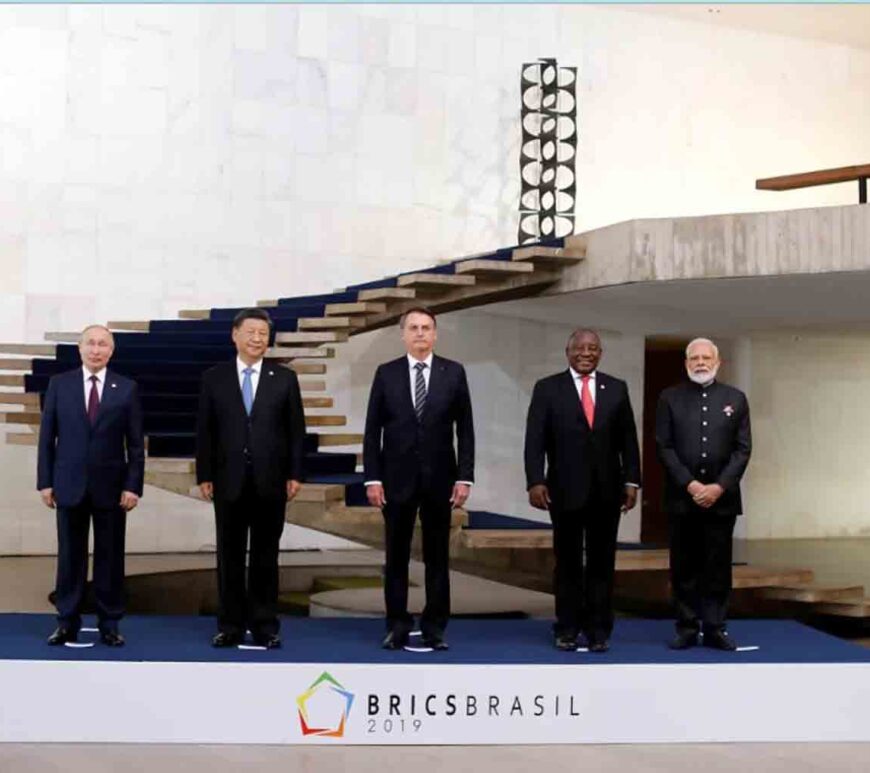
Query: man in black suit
704,441
581,423
91,465
410,464
249,452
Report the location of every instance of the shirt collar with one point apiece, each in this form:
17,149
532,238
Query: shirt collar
256,367
412,361
576,376
100,374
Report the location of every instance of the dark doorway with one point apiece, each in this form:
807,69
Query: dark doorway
663,367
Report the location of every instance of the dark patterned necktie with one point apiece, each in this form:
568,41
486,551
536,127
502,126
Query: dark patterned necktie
93,400
420,391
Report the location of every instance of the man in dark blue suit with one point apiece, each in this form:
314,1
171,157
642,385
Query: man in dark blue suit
91,466
416,403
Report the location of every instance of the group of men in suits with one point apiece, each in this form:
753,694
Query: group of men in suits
582,465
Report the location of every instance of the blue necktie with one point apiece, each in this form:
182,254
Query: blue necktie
248,390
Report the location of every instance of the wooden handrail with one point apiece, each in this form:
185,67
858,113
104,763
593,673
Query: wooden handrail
821,177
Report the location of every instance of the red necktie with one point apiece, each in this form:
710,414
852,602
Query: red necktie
587,401
93,401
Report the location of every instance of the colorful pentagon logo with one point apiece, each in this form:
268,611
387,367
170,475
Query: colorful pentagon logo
324,708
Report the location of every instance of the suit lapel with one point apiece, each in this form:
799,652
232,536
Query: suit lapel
572,397
405,385
234,386
602,398
264,387
78,393
436,380
110,394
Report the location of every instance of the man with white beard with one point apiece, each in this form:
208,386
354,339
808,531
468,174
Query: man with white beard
704,441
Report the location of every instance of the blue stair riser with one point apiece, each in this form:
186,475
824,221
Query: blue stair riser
291,311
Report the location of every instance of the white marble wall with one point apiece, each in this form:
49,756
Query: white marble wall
160,157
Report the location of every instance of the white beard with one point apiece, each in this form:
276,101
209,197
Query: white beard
703,377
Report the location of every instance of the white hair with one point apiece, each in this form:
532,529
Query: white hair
707,341
99,327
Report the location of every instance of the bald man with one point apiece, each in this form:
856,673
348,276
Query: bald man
704,441
91,467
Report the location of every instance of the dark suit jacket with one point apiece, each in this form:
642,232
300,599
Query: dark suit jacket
399,451
578,458
679,441
274,433
77,459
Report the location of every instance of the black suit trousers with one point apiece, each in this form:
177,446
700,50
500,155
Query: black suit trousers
73,525
399,520
251,604
584,588
701,547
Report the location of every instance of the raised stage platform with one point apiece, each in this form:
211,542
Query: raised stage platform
501,682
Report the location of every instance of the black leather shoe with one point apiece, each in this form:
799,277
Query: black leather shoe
223,639
435,642
566,642
599,645
112,639
270,641
394,640
62,635
682,641
720,640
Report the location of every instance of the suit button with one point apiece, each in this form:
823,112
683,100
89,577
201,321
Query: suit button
703,470
704,455
703,407
704,394
703,440
704,423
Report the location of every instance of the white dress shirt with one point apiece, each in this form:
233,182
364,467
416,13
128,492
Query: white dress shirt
255,376
578,383
101,382
412,369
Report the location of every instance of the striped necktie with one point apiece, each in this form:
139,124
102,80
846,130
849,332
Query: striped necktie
420,391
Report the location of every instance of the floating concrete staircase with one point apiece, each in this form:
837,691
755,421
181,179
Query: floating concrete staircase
167,358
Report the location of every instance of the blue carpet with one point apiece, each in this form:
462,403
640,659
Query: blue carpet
356,640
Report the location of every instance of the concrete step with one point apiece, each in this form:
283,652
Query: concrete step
286,354
325,421
851,609
33,350
339,439
303,338
60,337
747,576
346,309
387,294
136,326
28,418
330,323
814,594
22,438
493,268
27,399
16,364
308,368
11,381
194,314
553,256
430,283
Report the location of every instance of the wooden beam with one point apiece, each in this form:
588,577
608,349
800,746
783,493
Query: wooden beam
312,385
22,438
62,338
285,354
318,402
268,303
842,174
34,350
11,381
768,576
360,307
194,314
325,440
812,594
307,368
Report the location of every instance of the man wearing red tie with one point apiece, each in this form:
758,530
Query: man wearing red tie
583,465
91,466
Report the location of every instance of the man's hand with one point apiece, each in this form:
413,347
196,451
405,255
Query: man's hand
695,488
129,500
293,487
375,494
629,498
539,497
460,494
709,496
206,488
47,495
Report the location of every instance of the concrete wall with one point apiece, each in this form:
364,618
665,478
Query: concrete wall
811,431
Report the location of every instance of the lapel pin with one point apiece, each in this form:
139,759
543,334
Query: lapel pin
271,372
601,386
114,386
728,410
